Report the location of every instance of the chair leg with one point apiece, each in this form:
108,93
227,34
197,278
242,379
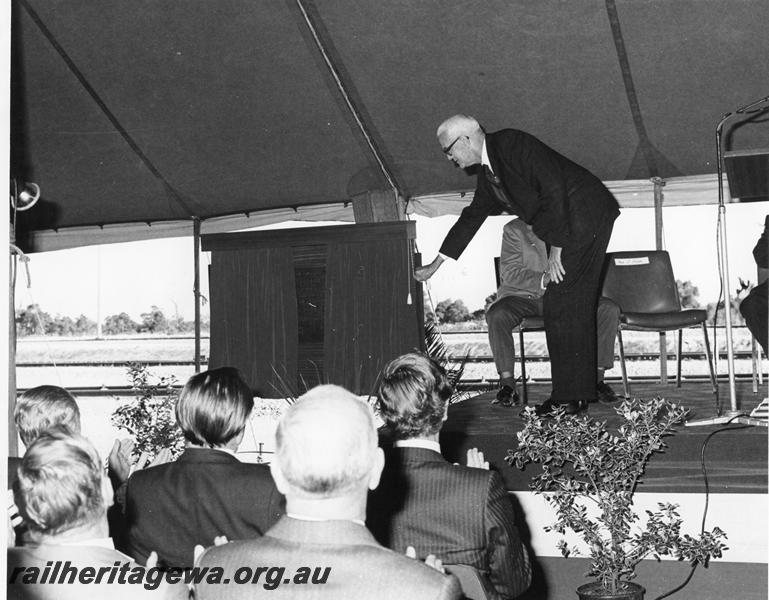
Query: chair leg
625,384
754,364
678,357
524,389
710,360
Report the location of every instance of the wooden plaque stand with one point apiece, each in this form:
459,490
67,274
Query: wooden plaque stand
293,308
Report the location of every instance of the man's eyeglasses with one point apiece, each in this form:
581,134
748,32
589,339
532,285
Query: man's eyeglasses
448,148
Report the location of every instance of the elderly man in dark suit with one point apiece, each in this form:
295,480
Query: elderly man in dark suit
569,209
326,461
462,515
207,492
63,494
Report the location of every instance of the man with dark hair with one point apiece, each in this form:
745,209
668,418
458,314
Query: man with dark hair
569,209
462,515
207,492
63,494
326,460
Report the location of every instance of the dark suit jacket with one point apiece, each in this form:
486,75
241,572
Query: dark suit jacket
203,494
80,557
562,201
462,515
341,553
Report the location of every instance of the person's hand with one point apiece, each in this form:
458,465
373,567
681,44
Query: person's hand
476,459
431,561
554,265
162,457
119,460
198,550
424,273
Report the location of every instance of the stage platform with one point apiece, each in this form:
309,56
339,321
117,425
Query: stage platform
736,462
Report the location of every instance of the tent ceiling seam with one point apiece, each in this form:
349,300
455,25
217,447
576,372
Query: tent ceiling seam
630,91
103,106
342,87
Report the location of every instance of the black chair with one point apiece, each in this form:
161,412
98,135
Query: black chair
536,323
642,283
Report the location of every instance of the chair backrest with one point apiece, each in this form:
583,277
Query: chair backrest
641,281
474,585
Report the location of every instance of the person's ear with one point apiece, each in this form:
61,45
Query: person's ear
106,491
278,477
376,469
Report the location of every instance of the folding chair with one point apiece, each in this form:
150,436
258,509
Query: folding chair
642,283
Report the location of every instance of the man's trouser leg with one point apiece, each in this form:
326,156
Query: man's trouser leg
570,319
502,317
607,321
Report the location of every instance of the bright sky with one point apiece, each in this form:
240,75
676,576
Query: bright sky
99,281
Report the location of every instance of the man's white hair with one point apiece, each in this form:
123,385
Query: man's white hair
459,125
326,443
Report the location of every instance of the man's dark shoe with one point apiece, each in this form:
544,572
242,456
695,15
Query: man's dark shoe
507,396
546,408
605,394
570,408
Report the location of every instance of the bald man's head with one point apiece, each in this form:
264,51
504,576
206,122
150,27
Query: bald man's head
461,138
326,444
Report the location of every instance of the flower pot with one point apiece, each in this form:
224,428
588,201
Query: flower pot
595,591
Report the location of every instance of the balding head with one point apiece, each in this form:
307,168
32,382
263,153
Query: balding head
326,445
461,139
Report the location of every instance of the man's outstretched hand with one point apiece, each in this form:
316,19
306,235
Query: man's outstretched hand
424,273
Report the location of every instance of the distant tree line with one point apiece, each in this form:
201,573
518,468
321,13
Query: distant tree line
32,320
454,311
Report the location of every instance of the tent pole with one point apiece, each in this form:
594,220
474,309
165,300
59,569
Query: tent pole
734,415
196,287
659,241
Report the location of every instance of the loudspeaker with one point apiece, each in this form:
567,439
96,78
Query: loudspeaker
748,173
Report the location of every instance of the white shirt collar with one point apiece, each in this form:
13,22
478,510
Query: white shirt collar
299,517
419,443
485,156
100,542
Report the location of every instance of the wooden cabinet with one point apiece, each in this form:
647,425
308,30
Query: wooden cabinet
292,308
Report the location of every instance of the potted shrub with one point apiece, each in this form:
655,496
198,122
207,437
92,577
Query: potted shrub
589,475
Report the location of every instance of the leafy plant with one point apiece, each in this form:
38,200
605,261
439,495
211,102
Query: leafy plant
436,349
584,463
150,417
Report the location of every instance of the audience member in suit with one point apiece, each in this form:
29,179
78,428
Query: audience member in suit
63,495
207,491
460,514
38,410
326,461
755,306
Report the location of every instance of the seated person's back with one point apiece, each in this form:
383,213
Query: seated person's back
63,495
207,492
461,514
326,461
